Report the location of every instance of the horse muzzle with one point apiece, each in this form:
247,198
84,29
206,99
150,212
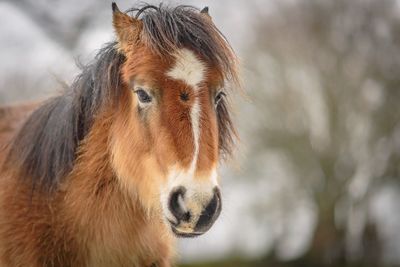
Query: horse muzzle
192,213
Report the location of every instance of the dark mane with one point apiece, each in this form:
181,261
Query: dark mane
45,148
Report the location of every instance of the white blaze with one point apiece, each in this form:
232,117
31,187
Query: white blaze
191,70
188,68
199,192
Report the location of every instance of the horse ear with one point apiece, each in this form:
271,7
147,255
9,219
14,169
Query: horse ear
126,28
204,12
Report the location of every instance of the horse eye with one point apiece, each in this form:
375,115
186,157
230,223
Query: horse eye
220,95
143,96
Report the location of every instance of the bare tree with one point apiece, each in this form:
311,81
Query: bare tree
64,22
326,83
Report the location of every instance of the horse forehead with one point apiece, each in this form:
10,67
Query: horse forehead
187,67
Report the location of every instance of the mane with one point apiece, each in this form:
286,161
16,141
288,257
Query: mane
166,29
45,149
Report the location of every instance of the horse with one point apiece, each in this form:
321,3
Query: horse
115,168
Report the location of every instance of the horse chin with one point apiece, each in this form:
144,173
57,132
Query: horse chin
180,234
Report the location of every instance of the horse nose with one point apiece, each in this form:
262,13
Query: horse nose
177,206
210,213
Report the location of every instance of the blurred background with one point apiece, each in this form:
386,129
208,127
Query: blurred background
316,177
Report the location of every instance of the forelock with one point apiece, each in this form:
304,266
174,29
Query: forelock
168,29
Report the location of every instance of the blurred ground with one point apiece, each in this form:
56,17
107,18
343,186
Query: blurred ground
316,178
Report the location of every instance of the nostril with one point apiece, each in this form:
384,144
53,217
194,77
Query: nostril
210,213
177,205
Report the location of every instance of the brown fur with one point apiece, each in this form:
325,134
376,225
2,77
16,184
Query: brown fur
80,181
90,221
